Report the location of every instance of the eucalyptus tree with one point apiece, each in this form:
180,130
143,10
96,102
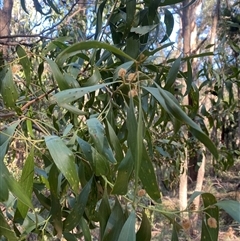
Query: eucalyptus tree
94,118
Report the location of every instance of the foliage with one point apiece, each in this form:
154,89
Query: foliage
95,118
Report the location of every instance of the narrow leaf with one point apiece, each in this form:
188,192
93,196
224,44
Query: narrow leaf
76,213
25,62
86,45
231,207
9,90
144,232
64,160
26,182
128,230
97,133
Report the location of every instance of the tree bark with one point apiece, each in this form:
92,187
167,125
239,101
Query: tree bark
5,20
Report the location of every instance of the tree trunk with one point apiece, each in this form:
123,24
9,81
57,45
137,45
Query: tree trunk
186,49
5,20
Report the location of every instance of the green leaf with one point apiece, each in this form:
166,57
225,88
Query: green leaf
97,133
64,160
5,137
148,177
58,76
85,229
99,19
123,175
98,163
130,14
15,188
24,6
8,89
115,143
231,207
25,62
169,103
56,208
86,45
67,96
115,223
144,232
174,233
50,3
172,74
94,79
169,22
133,45
73,218
6,230
128,230
26,182
211,210
104,213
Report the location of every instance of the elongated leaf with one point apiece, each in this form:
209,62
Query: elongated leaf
76,213
212,211
148,177
169,22
130,14
169,103
5,137
64,160
58,76
97,133
25,62
51,4
23,4
128,230
6,230
67,96
172,74
115,143
86,45
99,164
26,182
115,223
85,229
104,213
9,90
15,188
94,79
124,172
144,232
55,212
99,19
231,207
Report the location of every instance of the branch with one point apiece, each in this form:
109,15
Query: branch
11,114
40,35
